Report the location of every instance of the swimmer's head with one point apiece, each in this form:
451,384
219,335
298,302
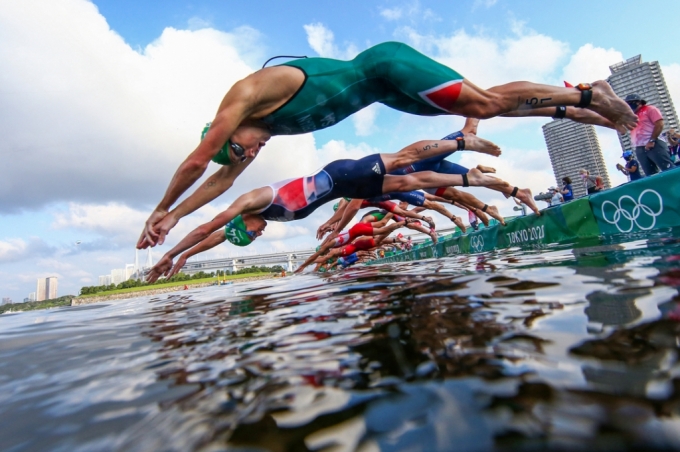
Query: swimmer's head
335,206
245,143
244,229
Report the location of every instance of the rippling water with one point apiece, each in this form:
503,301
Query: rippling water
571,347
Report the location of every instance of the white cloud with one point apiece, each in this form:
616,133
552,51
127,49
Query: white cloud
86,118
391,13
364,120
487,62
671,74
322,41
278,231
483,4
412,11
17,249
590,63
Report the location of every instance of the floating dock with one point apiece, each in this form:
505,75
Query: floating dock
651,203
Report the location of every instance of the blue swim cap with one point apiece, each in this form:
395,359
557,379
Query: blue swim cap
627,154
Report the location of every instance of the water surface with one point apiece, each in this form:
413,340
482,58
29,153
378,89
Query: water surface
567,347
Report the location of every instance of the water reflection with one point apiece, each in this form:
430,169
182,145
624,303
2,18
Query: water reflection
568,347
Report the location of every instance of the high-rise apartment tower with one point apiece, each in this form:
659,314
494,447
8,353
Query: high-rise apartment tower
573,146
47,288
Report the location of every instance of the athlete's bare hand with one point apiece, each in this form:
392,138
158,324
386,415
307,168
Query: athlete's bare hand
163,227
323,230
178,266
161,268
149,237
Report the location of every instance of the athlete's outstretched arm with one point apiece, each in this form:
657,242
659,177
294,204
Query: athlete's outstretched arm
337,215
250,202
217,184
349,212
212,241
234,109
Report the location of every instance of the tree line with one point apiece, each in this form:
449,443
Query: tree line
89,290
33,305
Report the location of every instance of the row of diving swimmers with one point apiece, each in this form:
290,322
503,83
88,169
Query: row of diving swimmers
368,239
372,179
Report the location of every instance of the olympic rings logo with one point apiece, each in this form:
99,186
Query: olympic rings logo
641,215
477,243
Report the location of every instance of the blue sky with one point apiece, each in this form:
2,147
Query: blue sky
100,101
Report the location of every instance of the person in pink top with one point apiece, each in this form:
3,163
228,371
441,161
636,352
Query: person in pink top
652,153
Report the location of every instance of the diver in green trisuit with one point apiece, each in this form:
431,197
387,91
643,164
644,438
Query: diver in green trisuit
310,94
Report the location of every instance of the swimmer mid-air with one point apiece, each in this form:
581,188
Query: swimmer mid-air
310,94
295,199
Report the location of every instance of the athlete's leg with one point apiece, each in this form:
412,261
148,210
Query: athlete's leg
470,126
427,149
432,205
581,115
471,202
387,230
526,96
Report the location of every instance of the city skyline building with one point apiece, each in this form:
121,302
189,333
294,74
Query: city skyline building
633,76
117,275
105,280
47,288
573,146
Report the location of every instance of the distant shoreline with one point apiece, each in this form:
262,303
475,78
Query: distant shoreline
79,301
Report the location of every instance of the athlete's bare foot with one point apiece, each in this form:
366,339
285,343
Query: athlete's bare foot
458,222
524,195
478,179
606,103
585,116
429,221
493,212
433,236
486,169
474,143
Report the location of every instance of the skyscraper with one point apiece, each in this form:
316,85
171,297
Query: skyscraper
646,79
573,146
47,288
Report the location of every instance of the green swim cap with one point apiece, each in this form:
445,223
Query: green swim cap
222,157
335,206
235,231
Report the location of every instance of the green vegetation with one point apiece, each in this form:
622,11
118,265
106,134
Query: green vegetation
33,305
179,279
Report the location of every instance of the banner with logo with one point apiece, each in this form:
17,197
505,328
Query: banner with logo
643,205
556,224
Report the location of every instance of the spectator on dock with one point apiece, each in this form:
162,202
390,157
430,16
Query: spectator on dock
673,139
472,218
632,169
593,183
567,190
652,153
557,198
